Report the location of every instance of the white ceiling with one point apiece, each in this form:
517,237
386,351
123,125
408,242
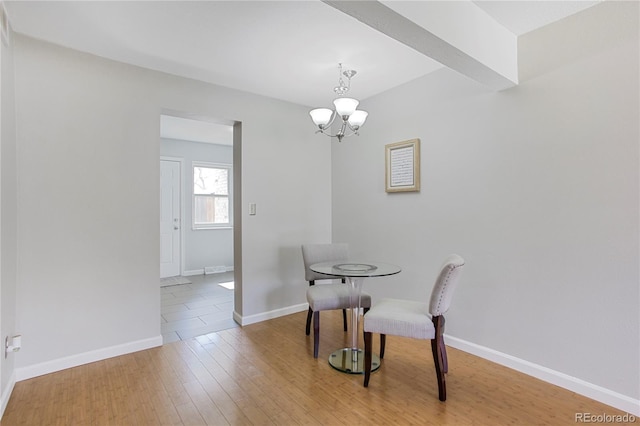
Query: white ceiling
287,50
521,17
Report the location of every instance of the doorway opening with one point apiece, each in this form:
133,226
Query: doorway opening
198,222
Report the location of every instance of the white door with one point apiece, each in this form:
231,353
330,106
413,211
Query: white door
170,250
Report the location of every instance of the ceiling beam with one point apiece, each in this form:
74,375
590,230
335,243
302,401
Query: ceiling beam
440,47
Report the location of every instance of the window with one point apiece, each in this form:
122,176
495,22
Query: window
211,196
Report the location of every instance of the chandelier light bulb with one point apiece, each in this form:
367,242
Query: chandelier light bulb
321,116
345,106
358,118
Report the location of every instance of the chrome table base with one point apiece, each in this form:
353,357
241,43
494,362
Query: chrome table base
352,361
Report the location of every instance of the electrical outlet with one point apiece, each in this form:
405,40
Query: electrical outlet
16,344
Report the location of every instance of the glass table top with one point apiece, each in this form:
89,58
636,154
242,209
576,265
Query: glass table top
349,268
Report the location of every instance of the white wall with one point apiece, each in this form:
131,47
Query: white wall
537,188
8,218
203,247
88,172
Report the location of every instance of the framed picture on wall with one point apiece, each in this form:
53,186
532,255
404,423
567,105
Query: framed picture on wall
402,166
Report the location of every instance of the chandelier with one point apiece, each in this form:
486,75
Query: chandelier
345,109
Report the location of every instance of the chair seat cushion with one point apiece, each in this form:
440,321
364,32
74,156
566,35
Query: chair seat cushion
324,297
400,318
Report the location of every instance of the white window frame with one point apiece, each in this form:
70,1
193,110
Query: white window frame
229,168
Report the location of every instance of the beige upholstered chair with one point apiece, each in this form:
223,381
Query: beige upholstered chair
411,319
326,296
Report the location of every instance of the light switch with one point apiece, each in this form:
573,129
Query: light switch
252,209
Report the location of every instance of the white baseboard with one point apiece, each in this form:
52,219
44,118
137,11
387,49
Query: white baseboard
52,366
6,393
579,386
252,319
192,273
202,271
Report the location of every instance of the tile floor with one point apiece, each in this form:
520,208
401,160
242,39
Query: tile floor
198,308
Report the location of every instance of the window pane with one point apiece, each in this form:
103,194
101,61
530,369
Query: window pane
209,181
210,210
202,210
221,210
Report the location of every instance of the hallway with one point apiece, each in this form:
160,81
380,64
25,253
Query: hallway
200,307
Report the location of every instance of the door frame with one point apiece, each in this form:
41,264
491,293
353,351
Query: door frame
180,162
237,203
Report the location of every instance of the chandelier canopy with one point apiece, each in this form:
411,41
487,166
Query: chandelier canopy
345,109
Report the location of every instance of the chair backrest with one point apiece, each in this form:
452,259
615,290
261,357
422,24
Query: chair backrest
445,285
315,253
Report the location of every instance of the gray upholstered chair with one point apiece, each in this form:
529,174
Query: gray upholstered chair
417,320
326,296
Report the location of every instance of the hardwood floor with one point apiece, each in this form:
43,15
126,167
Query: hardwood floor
265,374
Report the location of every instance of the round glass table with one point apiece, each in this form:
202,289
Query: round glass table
351,359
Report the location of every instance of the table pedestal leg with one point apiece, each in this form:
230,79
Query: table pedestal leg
351,359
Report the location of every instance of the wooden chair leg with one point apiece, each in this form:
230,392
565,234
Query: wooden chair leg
367,358
383,342
436,344
364,311
316,333
443,353
309,315
443,348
